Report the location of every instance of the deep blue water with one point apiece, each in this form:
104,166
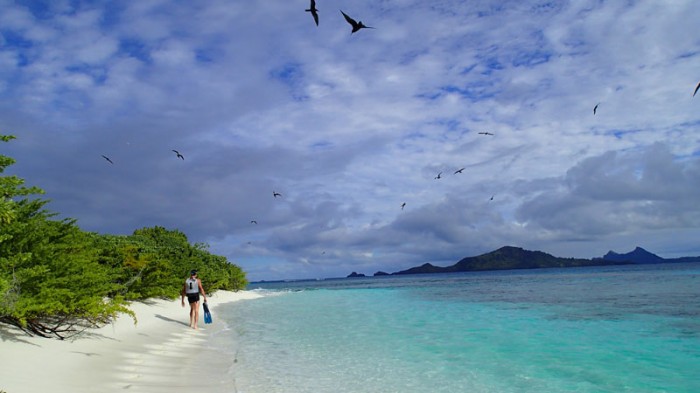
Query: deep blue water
599,329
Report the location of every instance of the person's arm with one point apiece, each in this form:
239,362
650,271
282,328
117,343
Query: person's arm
182,293
201,290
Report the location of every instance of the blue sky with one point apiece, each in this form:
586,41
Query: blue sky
348,127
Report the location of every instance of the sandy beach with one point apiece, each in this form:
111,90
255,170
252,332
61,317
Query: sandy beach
158,354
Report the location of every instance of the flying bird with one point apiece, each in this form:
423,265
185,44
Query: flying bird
403,205
180,156
107,158
696,89
253,222
459,170
485,133
439,176
276,194
595,108
356,26
314,12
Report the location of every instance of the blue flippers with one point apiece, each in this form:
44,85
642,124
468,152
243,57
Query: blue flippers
207,314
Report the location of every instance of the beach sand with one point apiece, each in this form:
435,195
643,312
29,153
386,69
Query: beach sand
161,353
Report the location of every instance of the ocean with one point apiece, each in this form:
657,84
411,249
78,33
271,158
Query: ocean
595,329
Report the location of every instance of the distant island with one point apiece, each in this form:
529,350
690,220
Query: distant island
509,257
641,256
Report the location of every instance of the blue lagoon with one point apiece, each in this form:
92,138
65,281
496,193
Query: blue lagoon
597,329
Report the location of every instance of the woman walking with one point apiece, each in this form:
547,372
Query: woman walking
192,288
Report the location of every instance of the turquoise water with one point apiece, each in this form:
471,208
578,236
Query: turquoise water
613,329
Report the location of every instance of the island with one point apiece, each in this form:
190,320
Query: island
510,257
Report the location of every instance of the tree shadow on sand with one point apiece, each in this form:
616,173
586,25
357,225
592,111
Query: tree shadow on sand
11,333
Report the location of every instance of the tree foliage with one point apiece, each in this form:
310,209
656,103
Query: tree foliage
56,279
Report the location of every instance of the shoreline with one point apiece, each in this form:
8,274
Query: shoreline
160,353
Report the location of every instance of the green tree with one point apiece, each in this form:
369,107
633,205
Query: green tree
51,283
154,262
57,280
181,256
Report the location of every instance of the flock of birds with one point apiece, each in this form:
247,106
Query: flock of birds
357,26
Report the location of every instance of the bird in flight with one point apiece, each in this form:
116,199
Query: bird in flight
439,176
107,158
459,170
276,194
314,12
180,156
356,26
595,108
485,133
403,205
253,222
696,89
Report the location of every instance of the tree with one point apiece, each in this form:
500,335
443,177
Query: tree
57,280
153,262
51,283
11,187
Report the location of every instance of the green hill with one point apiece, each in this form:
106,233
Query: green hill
508,257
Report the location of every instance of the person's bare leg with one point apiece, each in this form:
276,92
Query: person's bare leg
196,315
193,308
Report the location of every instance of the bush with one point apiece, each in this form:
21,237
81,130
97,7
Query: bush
57,280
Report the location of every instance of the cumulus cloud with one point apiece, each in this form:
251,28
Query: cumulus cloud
619,192
348,127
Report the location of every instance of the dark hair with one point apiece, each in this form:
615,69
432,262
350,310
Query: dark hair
193,272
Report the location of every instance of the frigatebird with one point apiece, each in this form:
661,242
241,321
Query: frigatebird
180,156
696,89
439,176
314,12
253,222
403,205
107,158
276,194
595,108
459,170
356,26
485,133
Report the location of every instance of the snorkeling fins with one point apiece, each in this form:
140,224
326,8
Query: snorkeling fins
207,313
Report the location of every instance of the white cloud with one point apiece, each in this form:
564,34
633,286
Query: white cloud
619,193
350,126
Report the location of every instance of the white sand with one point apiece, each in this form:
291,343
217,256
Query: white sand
159,354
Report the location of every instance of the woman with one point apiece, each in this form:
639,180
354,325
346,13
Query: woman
192,288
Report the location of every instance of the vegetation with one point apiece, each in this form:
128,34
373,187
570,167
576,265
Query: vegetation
506,258
57,280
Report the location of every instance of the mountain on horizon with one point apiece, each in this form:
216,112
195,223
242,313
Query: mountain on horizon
638,255
509,257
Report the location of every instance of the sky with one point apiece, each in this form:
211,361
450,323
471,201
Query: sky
349,127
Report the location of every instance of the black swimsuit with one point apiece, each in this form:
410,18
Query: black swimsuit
192,297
